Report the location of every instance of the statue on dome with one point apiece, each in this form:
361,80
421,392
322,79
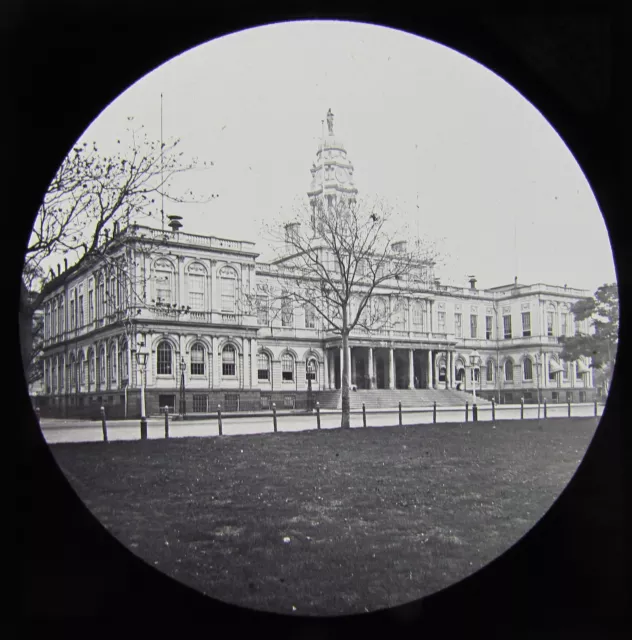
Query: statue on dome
330,122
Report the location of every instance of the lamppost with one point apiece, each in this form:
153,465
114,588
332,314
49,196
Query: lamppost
538,370
141,359
183,406
475,360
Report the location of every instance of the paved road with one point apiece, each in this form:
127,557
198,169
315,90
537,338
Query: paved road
56,431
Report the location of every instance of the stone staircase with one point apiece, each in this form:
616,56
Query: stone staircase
390,398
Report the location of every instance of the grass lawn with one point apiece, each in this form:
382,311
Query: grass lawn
375,517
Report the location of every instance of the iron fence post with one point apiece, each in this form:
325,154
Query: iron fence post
596,412
166,421
363,414
219,418
434,412
493,410
467,411
569,408
474,413
544,407
400,413
104,426
274,416
317,415
521,408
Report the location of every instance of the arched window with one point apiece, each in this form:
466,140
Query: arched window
527,369
164,357
112,302
91,367
62,372
509,367
490,371
102,375
123,362
101,297
263,366
442,370
163,282
460,373
53,320
82,366
311,369
287,367
196,277
229,361
197,359
112,363
72,372
228,288
54,375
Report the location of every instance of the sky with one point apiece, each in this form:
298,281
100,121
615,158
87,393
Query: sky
470,161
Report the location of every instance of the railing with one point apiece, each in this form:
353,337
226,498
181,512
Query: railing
261,422
189,238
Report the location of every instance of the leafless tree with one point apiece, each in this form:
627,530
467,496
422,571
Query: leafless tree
90,193
343,260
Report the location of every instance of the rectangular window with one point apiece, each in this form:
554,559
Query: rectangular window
564,327
72,314
490,372
81,311
265,402
441,321
417,315
163,288
555,397
310,317
228,294
549,323
289,402
197,362
473,326
263,367
287,315
565,370
507,326
526,324
578,327
91,306
196,292
231,402
262,311
200,403
228,368
458,325
489,323
165,400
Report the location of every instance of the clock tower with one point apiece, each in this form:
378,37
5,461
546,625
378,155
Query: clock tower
332,172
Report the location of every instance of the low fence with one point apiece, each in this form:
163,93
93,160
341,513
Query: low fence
280,421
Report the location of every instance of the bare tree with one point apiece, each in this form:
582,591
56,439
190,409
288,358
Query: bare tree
343,260
91,192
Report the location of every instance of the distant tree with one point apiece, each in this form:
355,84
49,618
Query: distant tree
600,345
90,192
342,262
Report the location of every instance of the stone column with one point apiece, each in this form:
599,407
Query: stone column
216,363
254,365
324,383
545,371
429,370
411,370
351,367
391,369
370,367
341,363
332,369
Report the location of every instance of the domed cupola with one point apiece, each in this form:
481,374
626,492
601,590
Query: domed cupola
332,172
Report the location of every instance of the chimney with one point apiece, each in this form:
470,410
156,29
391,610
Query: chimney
399,247
106,234
174,223
516,281
58,269
472,282
117,228
65,264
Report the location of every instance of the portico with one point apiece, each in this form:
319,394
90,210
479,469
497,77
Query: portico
384,366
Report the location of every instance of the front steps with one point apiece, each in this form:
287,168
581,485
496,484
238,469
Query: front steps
390,398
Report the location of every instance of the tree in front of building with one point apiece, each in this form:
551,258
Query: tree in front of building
346,263
600,345
91,193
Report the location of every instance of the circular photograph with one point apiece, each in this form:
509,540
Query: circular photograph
322,317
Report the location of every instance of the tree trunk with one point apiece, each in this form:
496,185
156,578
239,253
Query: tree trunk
346,413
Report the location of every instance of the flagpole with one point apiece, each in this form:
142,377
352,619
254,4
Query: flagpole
162,194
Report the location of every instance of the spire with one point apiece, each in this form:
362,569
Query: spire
332,171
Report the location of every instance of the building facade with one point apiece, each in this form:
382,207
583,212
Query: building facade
190,302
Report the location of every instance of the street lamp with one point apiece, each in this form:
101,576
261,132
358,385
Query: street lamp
538,370
141,359
475,360
183,406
